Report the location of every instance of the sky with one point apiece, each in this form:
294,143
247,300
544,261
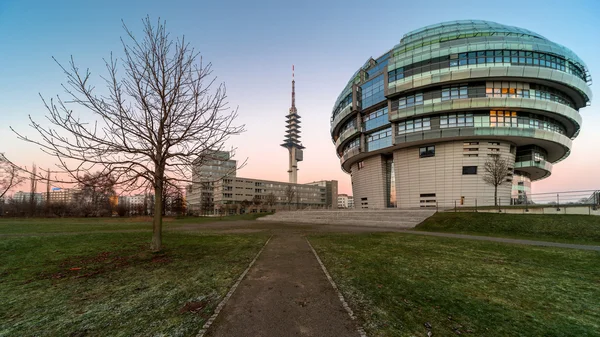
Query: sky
252,46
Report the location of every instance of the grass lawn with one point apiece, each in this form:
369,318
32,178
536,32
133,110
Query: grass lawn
77,225
109,284
583,229
400,284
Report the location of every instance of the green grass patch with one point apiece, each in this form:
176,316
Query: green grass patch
407,285
109,284
81,225
583,229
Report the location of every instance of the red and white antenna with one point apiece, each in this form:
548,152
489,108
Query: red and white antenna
293,89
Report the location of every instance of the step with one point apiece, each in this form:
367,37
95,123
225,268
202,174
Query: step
405,218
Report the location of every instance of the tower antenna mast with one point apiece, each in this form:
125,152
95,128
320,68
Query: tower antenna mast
292,137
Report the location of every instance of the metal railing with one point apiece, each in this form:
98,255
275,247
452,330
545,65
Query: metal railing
525,201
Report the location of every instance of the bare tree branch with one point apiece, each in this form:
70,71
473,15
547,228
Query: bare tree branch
10,175
496,170
162,112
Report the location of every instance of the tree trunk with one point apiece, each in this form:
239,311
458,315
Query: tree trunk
157,221
496,195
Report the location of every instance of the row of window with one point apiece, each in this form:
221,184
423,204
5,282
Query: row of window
512,57
379,140
501,119
496,118
477,90
348,125
456,120
414,125
342,104
376,119
372,92
355,143
531,152
379,67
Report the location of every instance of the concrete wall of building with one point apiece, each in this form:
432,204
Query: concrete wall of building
237,190
443,176
433,181
368,187
342,201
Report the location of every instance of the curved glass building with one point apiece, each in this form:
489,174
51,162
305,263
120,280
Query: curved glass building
415,126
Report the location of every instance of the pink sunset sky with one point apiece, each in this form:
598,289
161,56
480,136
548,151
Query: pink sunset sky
253,54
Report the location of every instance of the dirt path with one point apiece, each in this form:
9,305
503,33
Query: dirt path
284,294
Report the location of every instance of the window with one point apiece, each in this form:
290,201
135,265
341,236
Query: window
352,145
455,92
469,170
380,139
500,57
456,120
372,92
471,155
361,165
427,195
427,151
414,125
351,124
376,119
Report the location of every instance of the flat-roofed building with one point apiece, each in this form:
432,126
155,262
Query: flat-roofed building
331,191
238,190
64,196
205,173
342,201
21,196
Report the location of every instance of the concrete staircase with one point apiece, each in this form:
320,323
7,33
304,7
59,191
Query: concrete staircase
391,218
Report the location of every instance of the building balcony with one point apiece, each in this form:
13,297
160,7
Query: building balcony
342,116
565,114
537,169
344,136
568,83
351,153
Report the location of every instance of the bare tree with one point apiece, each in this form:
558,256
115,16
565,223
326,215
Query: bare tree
256,201
161,112
270,200
245,204
96,193
495,172
290,193
10,175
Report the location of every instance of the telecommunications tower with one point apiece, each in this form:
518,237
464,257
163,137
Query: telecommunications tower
292,137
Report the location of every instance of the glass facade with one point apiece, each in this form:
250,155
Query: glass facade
351,124
342,104
414,125
488,86
372,92
380,67
376,119
354,144
379,140
487,58
483,89
493,119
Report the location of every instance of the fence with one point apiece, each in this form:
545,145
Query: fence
549,200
